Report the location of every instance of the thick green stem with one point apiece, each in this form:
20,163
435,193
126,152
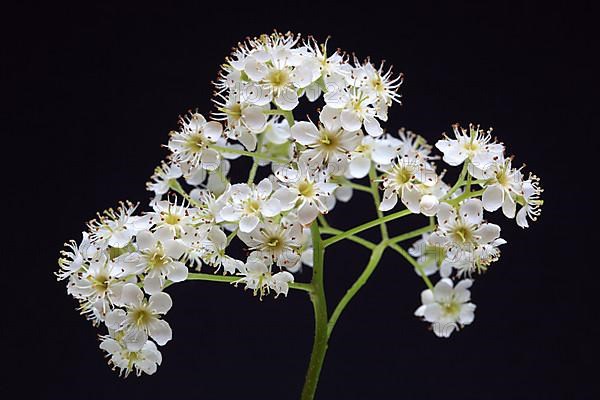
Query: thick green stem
377,200
362,279
459,182
365,226
317,296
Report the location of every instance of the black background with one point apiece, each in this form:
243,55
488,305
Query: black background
89,96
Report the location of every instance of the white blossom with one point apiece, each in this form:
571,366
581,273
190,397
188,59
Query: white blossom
141,318
447,307
472,144
257,276
275,242
146,359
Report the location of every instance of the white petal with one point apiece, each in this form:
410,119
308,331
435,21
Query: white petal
330,118
213,130
161,332
359,167
350,121
287,99
248,223
488,233
271,207
160,303
131,295
305,132
307,213
372,127
471,211
493,196
254,69
115,318
389,200
145,240
153,284
254,118
509,207
174,248
178,273
264,187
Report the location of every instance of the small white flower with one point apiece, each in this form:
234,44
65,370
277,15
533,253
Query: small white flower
446,307
191,144
309,195
503,184
247,205
258,278
431,253
275,242
146,360
77,255
381,151
407,179
141,319
170,216
158,257
473,144
164,173
357,110
531,192
379,84
98,288
116,228
327,147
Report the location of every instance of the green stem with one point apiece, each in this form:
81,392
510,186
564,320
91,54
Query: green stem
365,226
459,182
323,221
356,239
465,196
362,279
377,200
317,296
254,167
350,184
199,276
176,186
412,234
414,263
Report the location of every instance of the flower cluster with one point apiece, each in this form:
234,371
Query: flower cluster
463,243
119,270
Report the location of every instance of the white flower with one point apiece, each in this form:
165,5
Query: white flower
275,242
77,255
309,195
379,84
471,241
357,110
327,147
171,216
280,71
141,318
381,151
531,192
431,253
247,205
503,184
98,288
191,144
473,144
257,277
447,307
208,244
407,179
116,228
158,255
145,360
239,113
159,183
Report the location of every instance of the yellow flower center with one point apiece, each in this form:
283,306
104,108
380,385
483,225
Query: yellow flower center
306,189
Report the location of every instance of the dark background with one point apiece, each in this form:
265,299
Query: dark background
89,96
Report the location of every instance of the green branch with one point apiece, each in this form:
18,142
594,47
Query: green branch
414,263
377,200
365,226
362,279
